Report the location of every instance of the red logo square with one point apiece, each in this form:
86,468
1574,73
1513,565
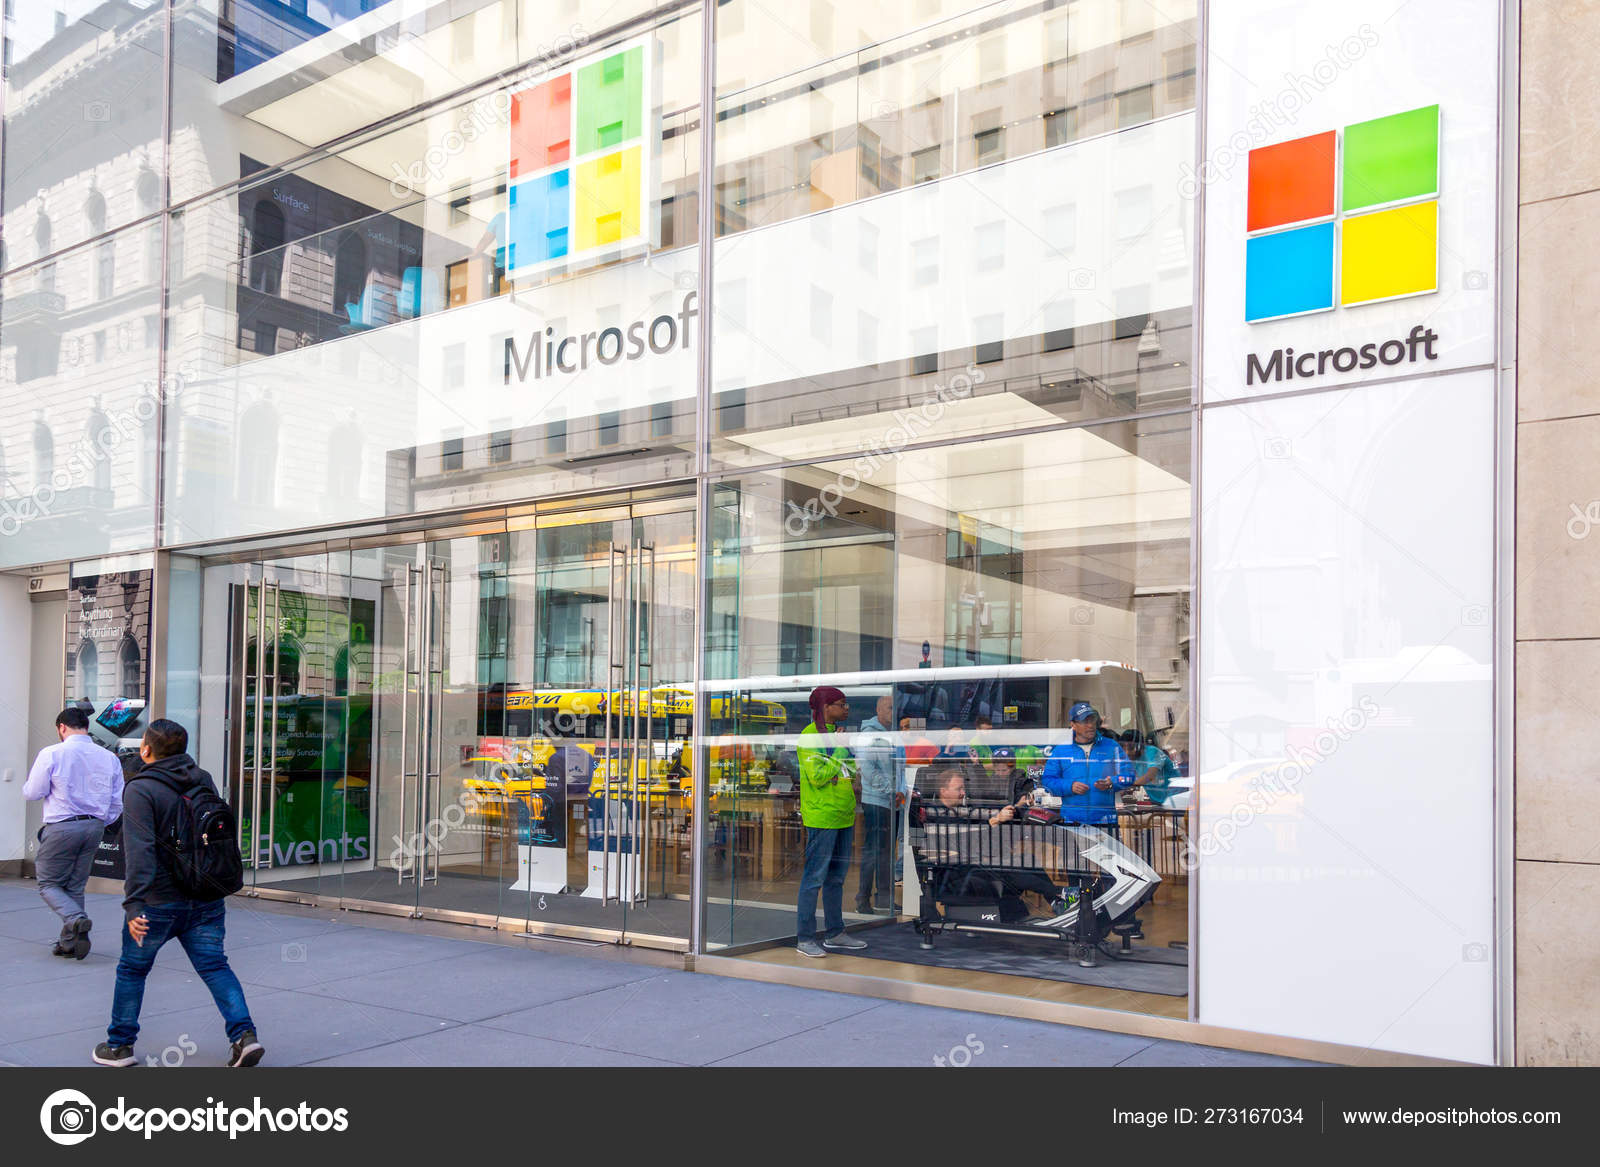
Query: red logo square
541,126
1292,182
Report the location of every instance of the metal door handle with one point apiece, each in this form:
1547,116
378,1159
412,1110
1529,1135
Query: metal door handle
637,600
261,716
408,856
272,763
424,717
255,759
614,673
440,631
644,674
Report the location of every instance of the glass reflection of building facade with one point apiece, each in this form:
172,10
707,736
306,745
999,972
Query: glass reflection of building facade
516,461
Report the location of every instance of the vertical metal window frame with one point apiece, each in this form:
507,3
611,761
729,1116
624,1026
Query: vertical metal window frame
1505,495
161,578
1197,350
706,230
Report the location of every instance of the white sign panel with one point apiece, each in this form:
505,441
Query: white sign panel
1350,192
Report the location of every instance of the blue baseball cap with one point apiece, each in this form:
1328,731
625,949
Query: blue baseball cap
1083,711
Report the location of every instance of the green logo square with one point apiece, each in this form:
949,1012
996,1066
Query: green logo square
1391,159
610,96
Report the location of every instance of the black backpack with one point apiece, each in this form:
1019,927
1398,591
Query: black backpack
202,844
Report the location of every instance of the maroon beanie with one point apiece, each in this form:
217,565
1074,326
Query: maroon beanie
821,698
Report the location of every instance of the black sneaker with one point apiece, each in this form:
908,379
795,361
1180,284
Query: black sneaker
246,1052
80,939
106,1054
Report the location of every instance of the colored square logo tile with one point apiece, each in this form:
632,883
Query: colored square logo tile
1391,158
1292,182
1384,231
1288,273
578,162
607,198
541,126
540,219
610,101
1390,253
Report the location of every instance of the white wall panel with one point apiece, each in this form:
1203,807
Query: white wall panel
1346,708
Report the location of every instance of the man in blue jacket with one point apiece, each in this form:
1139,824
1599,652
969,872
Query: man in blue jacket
1086,772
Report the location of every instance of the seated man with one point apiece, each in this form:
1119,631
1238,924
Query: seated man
1087,771
988,868
949,787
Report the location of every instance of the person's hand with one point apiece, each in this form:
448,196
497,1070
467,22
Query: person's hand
139,928
1025,800
1080,788
1103,784
1007,813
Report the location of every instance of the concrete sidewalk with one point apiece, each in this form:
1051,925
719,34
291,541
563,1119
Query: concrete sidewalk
346,989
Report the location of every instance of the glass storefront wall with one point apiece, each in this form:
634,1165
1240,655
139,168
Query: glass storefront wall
947,467
954,448
965,599
453,720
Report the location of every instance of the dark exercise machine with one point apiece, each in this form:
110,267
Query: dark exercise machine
971,877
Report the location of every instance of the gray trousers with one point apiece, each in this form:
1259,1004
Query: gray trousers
62,865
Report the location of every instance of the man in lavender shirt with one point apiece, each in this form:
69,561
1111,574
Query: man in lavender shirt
81,784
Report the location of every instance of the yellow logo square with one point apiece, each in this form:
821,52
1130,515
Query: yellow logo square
606,205
1390,253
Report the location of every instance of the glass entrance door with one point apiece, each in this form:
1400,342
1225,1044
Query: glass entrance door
527,704
489,721
295,745
457,823
439,836
599,709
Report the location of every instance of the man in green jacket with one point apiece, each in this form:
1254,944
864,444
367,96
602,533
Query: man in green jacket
828,810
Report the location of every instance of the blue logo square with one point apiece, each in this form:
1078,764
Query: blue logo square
1288,273
540,219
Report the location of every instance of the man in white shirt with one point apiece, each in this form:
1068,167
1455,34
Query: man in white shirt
81,784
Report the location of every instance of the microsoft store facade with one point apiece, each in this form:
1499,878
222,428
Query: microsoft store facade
485,462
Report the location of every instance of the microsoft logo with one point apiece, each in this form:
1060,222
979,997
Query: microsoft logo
578,159
1325,226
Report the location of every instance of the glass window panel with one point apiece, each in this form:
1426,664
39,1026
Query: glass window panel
965,598
258,83
1094,238
84,85
433,281
809,124
79,409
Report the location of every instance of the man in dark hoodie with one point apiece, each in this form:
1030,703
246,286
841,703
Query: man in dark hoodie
158,911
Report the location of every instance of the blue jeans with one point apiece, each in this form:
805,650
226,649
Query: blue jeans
199,928
827,863
877,825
